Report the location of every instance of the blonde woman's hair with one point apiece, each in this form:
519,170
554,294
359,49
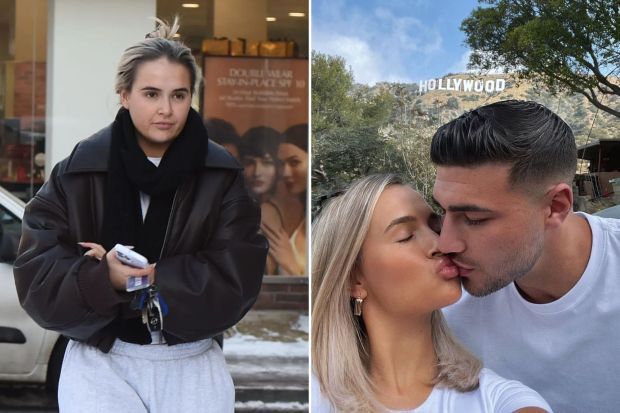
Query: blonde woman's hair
340,346
157,44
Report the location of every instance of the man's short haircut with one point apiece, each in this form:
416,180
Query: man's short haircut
535,141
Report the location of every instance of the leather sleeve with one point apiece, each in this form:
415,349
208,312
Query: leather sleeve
58,287
211,290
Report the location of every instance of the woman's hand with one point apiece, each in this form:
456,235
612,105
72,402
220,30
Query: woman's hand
117,271
281,250
96,250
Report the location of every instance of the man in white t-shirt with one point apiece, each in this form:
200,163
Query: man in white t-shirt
543,282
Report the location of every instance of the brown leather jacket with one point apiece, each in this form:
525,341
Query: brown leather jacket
210,270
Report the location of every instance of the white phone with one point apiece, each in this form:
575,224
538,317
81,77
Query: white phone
132,258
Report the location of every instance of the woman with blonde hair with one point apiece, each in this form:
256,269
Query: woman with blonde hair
152,180
379,340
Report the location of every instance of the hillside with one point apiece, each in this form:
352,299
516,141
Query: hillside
435,107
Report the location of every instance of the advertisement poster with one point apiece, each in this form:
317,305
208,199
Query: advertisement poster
257,108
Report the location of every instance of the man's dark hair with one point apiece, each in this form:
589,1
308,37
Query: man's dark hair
527,135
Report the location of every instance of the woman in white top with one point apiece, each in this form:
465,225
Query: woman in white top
379,340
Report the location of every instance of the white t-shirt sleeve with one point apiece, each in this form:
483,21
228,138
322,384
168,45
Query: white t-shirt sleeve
509,395
318,403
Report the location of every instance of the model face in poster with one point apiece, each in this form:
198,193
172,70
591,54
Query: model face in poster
293,156
294,167
258,153
260,174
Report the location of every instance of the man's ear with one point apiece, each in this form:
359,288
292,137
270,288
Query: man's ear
559,204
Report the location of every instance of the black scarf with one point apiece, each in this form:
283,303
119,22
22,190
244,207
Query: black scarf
129,172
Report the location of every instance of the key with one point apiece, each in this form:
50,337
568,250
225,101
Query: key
154,317
160,314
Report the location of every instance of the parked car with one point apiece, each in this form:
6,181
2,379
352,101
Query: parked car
611,212
28,353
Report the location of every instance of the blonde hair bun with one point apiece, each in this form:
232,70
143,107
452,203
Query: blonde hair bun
164,30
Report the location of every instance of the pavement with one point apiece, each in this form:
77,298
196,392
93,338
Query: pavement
267,353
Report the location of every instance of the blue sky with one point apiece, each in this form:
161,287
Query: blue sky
394,40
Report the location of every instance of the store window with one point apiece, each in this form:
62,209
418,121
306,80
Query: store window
254,57
23,41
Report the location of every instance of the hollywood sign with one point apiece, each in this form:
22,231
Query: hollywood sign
464,85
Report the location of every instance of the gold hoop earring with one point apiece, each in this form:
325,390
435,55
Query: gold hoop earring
357,306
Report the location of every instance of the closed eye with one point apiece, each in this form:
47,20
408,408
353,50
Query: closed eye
410,237
474,222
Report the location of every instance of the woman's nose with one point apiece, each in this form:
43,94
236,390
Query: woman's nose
165,107
432,246
286,171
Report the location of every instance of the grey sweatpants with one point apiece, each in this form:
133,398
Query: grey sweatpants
191,377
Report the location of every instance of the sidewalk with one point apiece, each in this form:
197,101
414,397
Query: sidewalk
267,353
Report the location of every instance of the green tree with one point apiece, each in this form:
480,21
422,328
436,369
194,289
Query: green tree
346,119
364,130
332,84
565,45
